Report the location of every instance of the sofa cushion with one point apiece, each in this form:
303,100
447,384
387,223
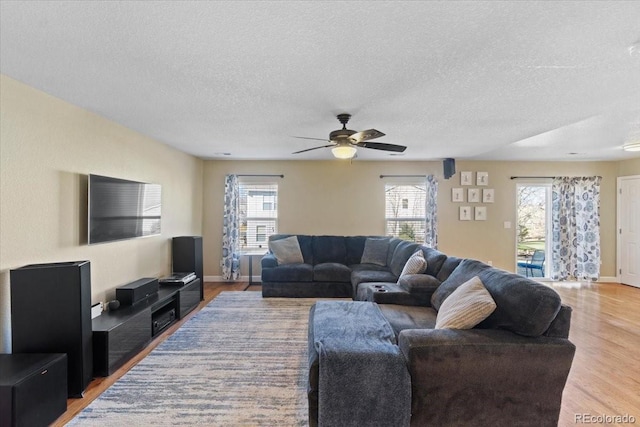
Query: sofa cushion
467,306
449,264
369,267
375,251
435,260
401,254
355,247
415,264
288,273
329,249
419,283
287,250
331,272
524,306
362,276
467,269
393,244
402,317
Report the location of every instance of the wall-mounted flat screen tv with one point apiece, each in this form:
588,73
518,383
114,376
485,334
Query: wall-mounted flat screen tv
120,209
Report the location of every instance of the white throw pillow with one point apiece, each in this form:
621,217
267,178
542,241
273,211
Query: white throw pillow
287,250
416,264
467,306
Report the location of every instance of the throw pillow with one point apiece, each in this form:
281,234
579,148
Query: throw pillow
467,306
416,264
287,250
375,251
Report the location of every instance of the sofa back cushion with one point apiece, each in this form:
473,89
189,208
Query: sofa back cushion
355,247
375,251
401,254
393,243
329,249
449,264
524,306
434,259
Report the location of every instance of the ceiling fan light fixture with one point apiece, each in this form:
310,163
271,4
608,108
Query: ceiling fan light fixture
632,146
343,151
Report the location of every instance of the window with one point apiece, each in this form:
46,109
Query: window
258,214
405,211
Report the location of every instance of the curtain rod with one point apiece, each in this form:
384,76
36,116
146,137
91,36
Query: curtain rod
531,177
403,176
544,177
281,176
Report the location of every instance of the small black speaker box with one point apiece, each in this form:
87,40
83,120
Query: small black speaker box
449,166
134,292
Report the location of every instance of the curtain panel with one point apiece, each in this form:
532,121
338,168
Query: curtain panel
575,222
231,229
431,212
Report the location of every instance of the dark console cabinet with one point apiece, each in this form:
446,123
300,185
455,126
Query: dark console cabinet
186,254
33,389
118,336
51,313
188,297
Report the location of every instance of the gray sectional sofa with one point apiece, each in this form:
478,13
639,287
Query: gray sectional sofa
510,369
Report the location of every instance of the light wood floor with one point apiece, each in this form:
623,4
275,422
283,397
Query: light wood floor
604,378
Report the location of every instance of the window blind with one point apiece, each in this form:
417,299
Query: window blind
258,214
405,211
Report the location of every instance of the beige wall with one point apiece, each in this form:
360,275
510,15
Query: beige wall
47,149
629,167
336,197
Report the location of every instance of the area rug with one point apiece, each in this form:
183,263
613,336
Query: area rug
240,361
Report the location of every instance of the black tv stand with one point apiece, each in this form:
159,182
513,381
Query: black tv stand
119,335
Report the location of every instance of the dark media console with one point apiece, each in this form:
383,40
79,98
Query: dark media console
119,335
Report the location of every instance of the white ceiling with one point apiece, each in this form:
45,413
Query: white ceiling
471,80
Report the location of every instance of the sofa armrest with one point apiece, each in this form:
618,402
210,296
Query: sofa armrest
485,377
269,261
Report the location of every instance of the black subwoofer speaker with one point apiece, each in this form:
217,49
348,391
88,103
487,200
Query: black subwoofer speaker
187,257
33,389
51,313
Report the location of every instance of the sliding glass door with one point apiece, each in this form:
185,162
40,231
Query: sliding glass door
533,228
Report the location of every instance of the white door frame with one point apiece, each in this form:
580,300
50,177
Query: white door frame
620,179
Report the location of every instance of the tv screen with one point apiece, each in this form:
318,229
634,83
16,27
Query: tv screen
120,209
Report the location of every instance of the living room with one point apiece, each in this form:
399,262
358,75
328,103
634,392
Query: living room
50,145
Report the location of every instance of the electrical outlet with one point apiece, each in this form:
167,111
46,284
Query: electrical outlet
490,262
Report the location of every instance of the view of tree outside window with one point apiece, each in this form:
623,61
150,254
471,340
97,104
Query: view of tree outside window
405,211
532,219
258,214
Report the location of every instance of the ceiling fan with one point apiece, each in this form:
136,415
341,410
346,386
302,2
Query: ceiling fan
344,141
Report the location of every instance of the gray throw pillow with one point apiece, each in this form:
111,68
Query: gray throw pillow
286,251
375,251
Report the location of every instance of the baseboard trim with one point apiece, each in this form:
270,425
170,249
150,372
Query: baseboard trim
608,279
256,279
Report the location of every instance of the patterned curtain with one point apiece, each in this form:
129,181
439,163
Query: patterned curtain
575,222
231,229
431,213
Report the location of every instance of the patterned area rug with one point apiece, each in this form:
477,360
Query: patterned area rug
240,361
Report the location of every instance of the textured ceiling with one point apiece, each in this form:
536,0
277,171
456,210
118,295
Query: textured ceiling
470,80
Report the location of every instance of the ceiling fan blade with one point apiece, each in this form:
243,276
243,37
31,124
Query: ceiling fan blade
365,135
382,146
315,139
314,148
